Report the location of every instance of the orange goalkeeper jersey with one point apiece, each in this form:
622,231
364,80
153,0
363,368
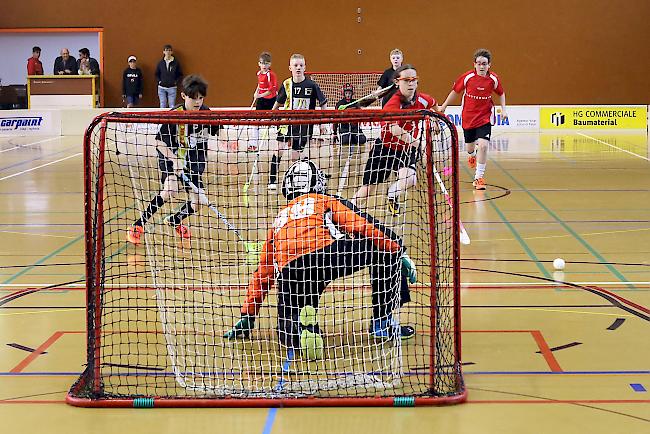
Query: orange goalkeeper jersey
308,223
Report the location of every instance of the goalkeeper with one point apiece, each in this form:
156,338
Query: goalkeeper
316,239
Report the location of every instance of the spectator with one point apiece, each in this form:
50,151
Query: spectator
168,73
34,66
87,64
396,60
132,83
65,64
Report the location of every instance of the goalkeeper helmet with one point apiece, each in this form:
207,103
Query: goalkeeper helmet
347,87
303,177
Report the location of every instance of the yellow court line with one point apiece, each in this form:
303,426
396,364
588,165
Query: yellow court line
31,312
571,311
566,235
40,235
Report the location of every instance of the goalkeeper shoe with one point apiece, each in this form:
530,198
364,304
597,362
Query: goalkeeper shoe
311,342
388,328
134,235
393,206
471,161
479,184
242,329
272,186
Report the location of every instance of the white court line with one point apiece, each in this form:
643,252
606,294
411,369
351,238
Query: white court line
612,146
30,144
42,165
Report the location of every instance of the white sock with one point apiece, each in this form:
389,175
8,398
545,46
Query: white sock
394,190
473,153
480,170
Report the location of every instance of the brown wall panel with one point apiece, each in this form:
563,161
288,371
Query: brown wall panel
546,52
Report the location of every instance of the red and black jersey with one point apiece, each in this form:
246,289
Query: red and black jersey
477,99
419,101
267,81
309,223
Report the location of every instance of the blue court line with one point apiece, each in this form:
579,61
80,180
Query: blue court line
518,237
566,227
270,418
638,387
42,260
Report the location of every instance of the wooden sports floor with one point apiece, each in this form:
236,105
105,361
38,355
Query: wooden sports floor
539,356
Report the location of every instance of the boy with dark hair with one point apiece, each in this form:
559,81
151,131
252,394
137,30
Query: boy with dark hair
34,65
182,149
296,93
316,239
132,83
478,84
168,73
89,64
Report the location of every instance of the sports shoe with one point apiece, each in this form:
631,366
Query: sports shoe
479,184
272,186
393,206
242,329
182,230
134,235
388,328
311,342
471,161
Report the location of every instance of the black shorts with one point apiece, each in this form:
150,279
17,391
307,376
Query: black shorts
383,161
297,135
482,132
192,170
353,139
264,103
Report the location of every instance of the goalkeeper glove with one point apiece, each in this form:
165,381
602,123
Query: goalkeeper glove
242,329
408,268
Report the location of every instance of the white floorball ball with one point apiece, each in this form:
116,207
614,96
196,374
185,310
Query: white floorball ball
558,263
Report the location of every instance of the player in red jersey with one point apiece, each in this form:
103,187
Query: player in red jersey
265,93
399,148
478,84
316,239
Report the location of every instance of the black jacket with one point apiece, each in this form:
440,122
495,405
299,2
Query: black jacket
132,81
71,64
168,77
92,62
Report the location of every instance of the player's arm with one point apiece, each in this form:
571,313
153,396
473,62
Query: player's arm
502,101
357,225
164,146
281,99
262,280
450,98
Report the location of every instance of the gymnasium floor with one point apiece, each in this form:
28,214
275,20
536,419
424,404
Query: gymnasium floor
539,356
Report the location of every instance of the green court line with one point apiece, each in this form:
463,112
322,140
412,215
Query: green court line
54,253
567,228
43,259
518,237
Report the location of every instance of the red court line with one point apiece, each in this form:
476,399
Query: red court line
539,339
32,356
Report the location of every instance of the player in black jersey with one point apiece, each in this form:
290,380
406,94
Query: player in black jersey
296,93
182,149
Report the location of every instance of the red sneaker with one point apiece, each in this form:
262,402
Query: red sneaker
134,235
479,184
183,231
471,161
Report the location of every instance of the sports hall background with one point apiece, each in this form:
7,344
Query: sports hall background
582,55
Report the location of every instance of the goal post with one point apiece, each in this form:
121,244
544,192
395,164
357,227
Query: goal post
331,83
159,311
